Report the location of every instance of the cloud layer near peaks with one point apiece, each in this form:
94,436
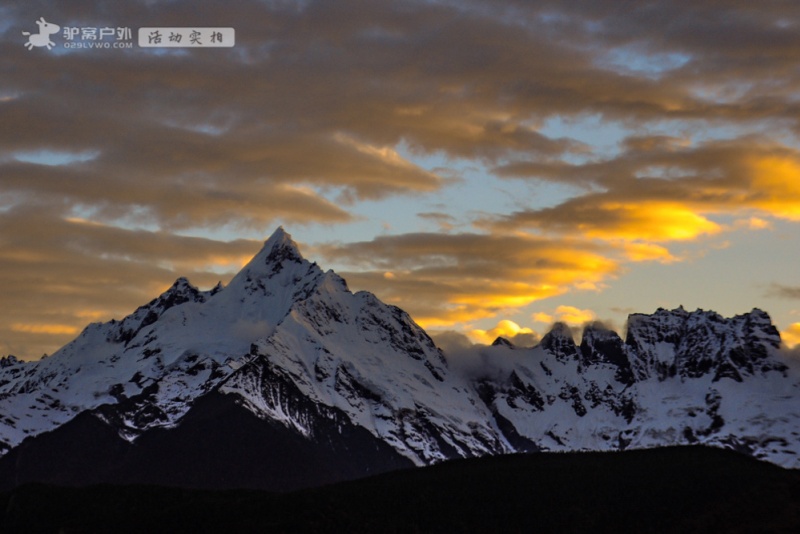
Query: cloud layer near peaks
444,279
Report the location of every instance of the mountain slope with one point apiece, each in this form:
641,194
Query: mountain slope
281,325
219,444
309,366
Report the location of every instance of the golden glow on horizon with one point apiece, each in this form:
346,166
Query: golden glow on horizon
502,295
477,277
46,329
233,262
92,315
452,316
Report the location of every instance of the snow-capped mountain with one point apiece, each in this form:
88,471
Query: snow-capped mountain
286,349
678,378
281,320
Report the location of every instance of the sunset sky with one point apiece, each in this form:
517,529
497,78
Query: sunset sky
490,167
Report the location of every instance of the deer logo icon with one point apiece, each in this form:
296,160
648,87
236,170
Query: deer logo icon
46,29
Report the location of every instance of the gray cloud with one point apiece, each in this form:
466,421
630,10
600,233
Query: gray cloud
784,291
444,221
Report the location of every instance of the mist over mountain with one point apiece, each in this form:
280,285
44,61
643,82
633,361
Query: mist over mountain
285,379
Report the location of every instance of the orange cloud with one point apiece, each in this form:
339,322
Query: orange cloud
657,192
48,329
752,223
791,336
573,315
90,315
776,185
614,217
566,314
651,221
447,279
505,328
648,252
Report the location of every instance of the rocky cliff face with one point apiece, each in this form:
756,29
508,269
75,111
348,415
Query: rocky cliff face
680,377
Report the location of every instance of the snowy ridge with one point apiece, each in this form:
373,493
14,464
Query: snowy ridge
291,344
147,369
729,389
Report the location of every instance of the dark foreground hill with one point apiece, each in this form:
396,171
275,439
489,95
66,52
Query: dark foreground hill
682,489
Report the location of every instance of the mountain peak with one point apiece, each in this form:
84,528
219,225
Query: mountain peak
281,243
503,342
8,361
560,342
278,251
179,292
